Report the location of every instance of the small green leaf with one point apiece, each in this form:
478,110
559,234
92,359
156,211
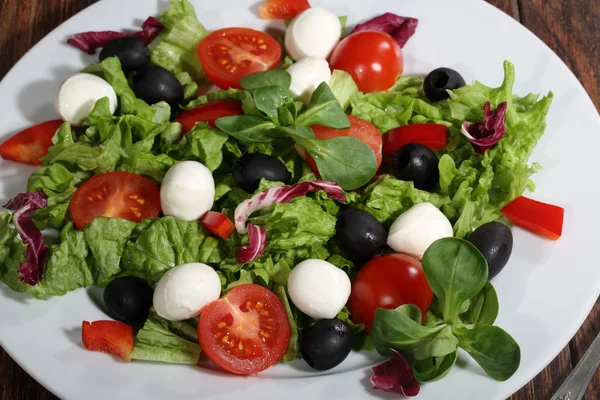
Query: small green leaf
248,128
275,77
440,345
324,109
493,349
434,368
344,159
287,114
269,99
456,271
483,307
400,329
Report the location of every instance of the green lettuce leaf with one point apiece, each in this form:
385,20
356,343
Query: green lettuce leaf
343,87
165,341
293,349
203,144
12,252
176,49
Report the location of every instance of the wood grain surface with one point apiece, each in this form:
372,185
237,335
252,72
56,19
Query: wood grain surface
569,27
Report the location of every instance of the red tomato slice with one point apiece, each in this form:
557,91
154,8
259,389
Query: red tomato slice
115,194
374,59
282,9
246,331
430,135
541,218
388,282
229,54
218,224
109,337
30,145
209,112
359,128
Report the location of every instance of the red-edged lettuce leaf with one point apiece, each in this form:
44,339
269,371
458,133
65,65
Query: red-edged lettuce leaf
400,28
90,41
483,135
31,271
395,376
283,194
257,239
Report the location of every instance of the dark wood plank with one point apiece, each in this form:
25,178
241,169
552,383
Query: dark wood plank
568,27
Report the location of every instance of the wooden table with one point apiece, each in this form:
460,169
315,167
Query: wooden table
569,27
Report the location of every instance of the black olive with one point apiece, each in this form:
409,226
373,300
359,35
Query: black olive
128,299
495,241
417,163
249,169
360,235
131,51
439,80
153,84
326,344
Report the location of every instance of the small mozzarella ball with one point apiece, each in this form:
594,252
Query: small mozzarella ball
187,191
307,75
185,290
416,229
78,94
318,288
313,32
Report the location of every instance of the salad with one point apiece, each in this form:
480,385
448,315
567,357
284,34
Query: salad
313,201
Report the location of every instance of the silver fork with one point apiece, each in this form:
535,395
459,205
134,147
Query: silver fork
577,382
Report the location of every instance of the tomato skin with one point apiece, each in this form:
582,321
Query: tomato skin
229,54
374,59
282,9
541,218
109,337
218,224
388,281
430,135
241,313
31,144
208,113
359,128
115,194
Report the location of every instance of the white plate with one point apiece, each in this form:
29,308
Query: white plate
545,292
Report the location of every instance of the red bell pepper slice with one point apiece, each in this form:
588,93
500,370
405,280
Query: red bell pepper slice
30,145
430,135
208,113
109,337
218,224
541,218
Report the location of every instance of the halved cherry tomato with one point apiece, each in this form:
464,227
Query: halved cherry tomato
359,128
209,112
430,135
541,218
30,145
109,337
282,9
388,281
374,59
217,223
115,194
229,54
246,331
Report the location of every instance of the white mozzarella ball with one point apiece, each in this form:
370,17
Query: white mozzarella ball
185,290
78,94
318,288
307,75
313,32
187,191
416,229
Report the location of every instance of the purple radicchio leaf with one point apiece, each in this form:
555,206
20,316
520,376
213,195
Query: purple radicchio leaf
257,239
90,41
400,28
283,194
31,271
395,376
484,135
